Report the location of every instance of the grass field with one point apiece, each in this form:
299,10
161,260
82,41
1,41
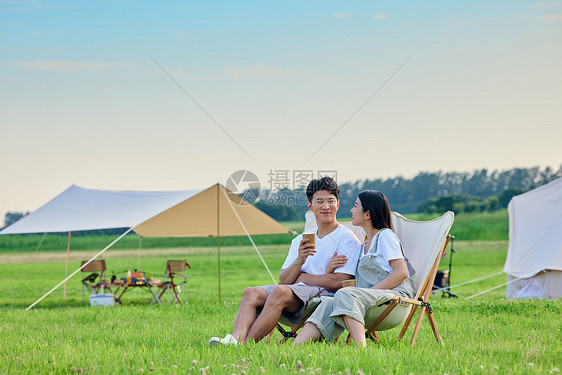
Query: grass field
484,335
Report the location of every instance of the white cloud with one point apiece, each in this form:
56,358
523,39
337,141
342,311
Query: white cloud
341,15
550,18
70,66
379,16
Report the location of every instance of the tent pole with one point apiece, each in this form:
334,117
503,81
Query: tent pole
67,260
218,241
79,269
219,261
138,255
249,237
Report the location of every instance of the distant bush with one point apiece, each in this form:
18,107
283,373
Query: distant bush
459,203
507,194
12,217
476,226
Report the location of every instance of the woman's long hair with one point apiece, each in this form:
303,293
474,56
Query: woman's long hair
375,202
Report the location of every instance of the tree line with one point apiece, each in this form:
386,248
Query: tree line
479,190
431,192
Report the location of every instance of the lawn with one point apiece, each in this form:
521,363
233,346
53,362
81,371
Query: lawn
484,335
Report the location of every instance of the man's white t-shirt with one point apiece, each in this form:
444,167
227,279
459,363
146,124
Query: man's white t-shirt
388,248
340,240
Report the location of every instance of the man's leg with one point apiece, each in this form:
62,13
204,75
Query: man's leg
252,299
282,299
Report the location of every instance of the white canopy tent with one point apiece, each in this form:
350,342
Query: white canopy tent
534,255
213,212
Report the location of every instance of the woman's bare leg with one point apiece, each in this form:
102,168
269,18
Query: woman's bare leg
356,329
308,334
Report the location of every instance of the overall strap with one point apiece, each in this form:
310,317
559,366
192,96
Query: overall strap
411,270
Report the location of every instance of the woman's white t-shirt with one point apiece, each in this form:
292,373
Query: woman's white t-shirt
388,248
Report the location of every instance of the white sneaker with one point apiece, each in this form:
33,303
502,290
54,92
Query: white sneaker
228,340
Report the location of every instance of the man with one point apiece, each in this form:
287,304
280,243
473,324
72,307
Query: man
303,275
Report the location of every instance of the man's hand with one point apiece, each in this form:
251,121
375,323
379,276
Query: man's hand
336,261
290,274
305,250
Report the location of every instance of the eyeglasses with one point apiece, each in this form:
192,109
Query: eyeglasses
321,201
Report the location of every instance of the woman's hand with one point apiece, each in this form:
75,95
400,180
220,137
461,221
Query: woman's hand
336,261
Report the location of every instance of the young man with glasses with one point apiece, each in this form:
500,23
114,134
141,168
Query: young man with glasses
305,273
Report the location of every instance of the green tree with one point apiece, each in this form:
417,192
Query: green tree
458,207
507,194
472,206
492,203
12,217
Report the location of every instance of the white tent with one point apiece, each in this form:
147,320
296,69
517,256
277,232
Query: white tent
213,212
534,256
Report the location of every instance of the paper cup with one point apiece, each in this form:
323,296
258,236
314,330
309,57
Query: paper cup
311,238
346,283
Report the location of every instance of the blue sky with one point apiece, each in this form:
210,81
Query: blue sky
87,96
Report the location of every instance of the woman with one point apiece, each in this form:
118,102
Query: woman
382,272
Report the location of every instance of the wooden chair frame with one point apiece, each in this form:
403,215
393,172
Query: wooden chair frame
94,281
172,269
422,302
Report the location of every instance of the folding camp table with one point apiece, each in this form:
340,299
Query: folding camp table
137,283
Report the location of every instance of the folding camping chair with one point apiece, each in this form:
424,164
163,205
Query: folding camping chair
94,281
171,285
424,243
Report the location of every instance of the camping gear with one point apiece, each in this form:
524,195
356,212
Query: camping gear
93,282
174,270
534,255
211,212
424,243
102,299
443,278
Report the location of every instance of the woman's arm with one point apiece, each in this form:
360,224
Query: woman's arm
399,273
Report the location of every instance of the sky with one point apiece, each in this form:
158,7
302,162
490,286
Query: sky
178,95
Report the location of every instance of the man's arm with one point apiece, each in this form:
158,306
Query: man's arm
290,274
331,282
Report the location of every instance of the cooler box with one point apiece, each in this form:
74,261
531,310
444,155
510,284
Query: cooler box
102,300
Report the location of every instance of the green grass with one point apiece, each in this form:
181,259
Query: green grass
57,242
485,335
481,226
